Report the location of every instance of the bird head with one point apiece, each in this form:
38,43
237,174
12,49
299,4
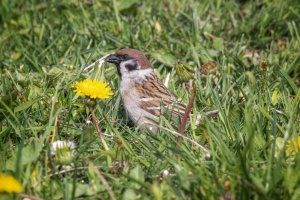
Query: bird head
129,60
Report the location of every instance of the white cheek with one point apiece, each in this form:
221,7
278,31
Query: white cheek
124,71
129,79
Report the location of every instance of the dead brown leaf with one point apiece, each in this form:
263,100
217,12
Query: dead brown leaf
208,67
227,185
281,43
264,64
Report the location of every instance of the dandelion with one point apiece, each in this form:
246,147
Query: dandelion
293,146
93,89
9,184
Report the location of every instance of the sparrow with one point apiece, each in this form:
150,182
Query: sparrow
144,96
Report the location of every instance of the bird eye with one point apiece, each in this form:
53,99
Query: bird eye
123,57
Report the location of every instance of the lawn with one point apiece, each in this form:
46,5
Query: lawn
247,63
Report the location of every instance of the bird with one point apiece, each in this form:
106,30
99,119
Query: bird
143,94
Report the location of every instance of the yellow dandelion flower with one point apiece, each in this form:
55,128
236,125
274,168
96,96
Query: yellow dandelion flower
9,184
93,89
293,146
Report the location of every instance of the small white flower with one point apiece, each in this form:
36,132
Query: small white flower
88,122
165,173
63,152
55,146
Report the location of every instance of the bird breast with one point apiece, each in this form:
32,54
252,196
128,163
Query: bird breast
131,101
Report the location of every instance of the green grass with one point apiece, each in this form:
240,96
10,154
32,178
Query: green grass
45,46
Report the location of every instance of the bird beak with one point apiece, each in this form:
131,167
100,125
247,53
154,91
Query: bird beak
113,58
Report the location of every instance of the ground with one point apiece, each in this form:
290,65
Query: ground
246,58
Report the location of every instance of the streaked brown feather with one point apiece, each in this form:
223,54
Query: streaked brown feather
157,95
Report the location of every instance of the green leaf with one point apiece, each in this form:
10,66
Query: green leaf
269,117
291,179
24,106
82,189
16,55
218,44
129,194
165,58
54,72
125,4
31,151
34,92
3,130
68,186
289,80
275,97
137,174
296,194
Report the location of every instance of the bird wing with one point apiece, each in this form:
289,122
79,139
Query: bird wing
154,96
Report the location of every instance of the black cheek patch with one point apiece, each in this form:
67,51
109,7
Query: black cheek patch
131,66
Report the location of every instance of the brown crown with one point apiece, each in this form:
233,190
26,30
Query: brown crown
137,55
